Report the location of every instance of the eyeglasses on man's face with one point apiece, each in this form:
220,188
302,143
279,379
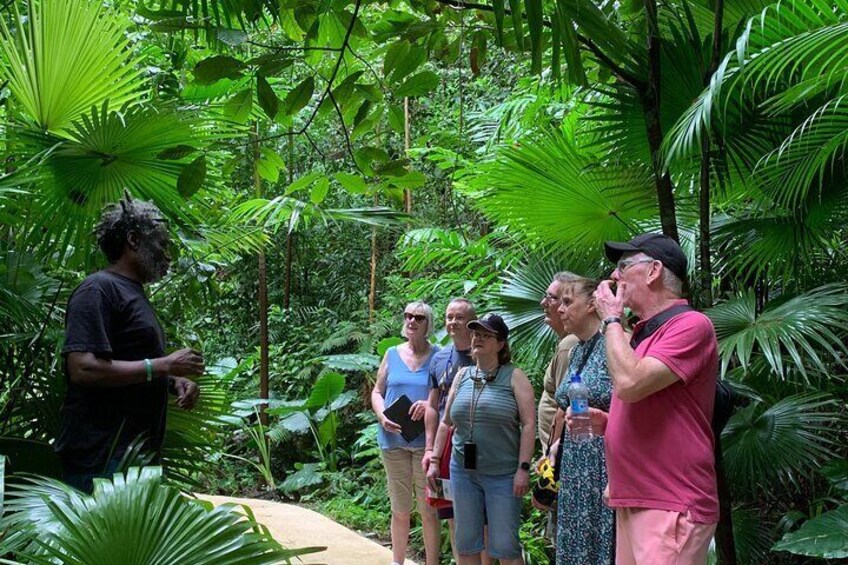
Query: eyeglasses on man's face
625,264
417,317
548,297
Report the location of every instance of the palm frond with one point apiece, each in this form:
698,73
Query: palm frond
133,518
781,443
551,192
106,152
789,43
807,328
63,58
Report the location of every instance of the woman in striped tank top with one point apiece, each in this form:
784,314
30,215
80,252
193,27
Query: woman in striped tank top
493,409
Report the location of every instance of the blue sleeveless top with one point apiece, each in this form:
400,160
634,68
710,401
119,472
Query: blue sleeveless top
399,381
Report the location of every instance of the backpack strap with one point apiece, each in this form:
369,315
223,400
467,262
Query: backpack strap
655,323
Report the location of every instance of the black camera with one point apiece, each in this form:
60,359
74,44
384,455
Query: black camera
470,453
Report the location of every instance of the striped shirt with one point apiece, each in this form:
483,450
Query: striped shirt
496,427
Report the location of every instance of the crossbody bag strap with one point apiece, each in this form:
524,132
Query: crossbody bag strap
592,343
655,323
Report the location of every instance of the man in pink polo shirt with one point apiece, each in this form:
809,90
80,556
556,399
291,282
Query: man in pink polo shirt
659,443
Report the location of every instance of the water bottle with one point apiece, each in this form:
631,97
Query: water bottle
581,425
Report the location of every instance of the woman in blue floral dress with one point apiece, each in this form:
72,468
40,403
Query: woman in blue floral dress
585,525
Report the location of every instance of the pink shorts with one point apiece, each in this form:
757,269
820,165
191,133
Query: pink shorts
659,537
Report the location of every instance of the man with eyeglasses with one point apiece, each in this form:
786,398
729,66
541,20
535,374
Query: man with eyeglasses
658,436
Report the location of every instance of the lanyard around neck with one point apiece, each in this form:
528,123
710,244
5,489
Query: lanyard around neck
476,399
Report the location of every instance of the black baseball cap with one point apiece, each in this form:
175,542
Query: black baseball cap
491,322
654,245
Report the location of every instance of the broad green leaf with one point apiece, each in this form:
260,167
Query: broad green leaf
290,27
366,157
192,177
371,92
267,99
413,179
309,475
176,153
837,473
824,536
271,64
394,168
394,55
413,59
302,182
319,190
218,67
354,184
299,97
239,107
326,389
418,85
270,164
396,119
362,112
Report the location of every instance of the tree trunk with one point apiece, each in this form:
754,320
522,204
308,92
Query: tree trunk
263,292
290,233
372,293
407,193
651,105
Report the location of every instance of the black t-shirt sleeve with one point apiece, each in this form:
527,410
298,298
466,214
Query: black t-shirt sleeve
87,323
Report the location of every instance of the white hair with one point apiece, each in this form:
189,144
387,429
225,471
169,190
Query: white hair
672,282
419,307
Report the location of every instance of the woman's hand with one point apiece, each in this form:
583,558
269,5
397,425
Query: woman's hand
425,461
598,419
418,409
521,483
389,426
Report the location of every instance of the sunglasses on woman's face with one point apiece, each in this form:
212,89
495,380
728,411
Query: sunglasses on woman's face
417,317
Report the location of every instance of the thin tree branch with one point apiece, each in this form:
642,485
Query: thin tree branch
332,78
293,47
344,127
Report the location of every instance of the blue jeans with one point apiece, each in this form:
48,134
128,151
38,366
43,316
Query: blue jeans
477,496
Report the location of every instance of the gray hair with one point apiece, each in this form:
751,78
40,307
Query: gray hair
468,304
122,217
566,277
424,308
672,282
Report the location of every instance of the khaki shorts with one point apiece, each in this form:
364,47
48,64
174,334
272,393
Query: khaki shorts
405,479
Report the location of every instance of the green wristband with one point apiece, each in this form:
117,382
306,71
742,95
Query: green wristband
148,364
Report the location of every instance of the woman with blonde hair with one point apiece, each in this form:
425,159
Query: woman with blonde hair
405,371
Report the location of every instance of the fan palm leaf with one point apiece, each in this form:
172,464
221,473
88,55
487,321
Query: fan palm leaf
106,152
134,519
788,43
804,328
781,443
549,191
63,58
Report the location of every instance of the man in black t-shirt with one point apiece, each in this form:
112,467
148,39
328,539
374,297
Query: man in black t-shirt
114,354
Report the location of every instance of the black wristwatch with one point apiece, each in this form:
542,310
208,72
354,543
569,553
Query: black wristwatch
608,321
524,466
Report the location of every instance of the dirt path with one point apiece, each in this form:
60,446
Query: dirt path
294,526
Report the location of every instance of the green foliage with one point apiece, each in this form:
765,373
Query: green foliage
824,536
130,519
64,58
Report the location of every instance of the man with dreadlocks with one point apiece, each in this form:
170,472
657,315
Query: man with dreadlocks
114,354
